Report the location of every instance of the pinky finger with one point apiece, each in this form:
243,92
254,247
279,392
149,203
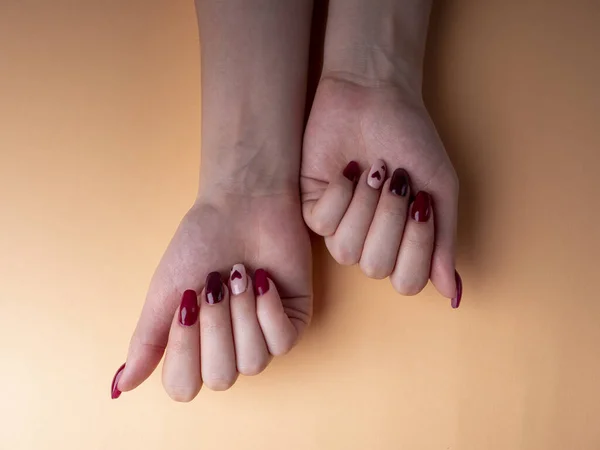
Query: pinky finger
280,334
325,214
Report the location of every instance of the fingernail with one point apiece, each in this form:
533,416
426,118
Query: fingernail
400,182
114,390
352,171
188,311
261,282
376,174
238,279
456,300
421,207
214,288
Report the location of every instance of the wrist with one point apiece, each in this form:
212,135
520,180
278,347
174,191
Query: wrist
249,168
377,42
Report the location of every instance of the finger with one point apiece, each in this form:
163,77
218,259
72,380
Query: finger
181,367
278,330
149,339
385,234
414,258
347,243
324,215
216,339
251,351
443,274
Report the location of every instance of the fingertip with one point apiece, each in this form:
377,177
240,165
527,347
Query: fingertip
443,277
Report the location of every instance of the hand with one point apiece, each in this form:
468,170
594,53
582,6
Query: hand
227,329
364,217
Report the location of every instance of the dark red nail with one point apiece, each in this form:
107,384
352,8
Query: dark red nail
214,288
352,171
261,282
456,299
114,390
421,207
188,311
400,182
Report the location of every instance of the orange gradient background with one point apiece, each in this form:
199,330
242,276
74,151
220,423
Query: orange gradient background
99,155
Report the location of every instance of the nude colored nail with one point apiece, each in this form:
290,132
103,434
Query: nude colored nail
238,280
376,174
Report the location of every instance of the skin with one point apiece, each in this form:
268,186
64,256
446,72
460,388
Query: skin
247,209
367,108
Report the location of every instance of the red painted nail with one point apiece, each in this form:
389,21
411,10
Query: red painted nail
352,171
214,288
456,299
188,310
114,390
400,182
261,282
421,207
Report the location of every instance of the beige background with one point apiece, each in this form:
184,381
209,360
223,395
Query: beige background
99,114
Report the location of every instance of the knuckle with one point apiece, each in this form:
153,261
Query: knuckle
253,366
322,226
408,287
282,347
345,255
220,382
182,394
374,269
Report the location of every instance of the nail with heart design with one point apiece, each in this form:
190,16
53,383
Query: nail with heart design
238,280
376,174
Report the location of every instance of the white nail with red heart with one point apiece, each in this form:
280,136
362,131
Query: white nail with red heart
238,280
376,175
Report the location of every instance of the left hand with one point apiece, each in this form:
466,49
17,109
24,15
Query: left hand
370,220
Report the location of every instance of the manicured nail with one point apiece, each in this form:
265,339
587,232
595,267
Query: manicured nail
261,282
400,182
352,171
114,390
421,207
456,300
376,175
214,288
238,279
188,311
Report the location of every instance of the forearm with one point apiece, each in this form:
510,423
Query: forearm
377,41
254,56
